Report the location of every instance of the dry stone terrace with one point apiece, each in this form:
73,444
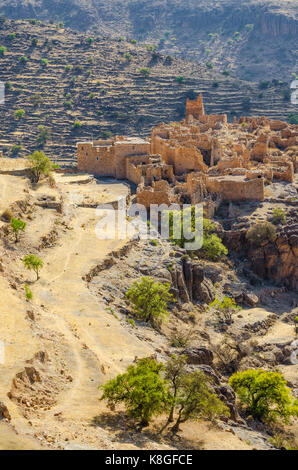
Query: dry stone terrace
200,159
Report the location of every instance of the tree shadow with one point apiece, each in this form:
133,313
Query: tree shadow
128,431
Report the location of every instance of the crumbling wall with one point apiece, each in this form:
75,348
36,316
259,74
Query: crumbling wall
236,188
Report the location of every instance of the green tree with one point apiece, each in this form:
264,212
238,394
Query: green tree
23,59
19,114
196,400
279,216
212,247
44,62
3,49
174,372
180,79
34,263
226,308
43,135
128,57
261,233
150,299
142,390
17,225
264,394
40,165
145,72
77,125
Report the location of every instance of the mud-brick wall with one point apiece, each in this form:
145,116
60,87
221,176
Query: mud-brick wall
233,189
123,150
134,168
97,160
187,159
147,197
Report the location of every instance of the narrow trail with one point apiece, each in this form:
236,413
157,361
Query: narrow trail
97,342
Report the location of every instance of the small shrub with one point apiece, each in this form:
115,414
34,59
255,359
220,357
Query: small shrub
77,125
68,104
36,99
128,57
261,233
181,339
131,322
263,85
28,292
16,149
213,248
286,94
225,308
180,79
3,49
44,62
23,59
145,72
40,165
19,114
33,262
17,226
279,216
150,47
43,135
282,441
154,242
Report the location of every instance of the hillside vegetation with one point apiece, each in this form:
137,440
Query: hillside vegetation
255,39
82,86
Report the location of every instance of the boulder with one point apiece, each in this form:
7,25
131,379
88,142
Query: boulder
4,413
198,355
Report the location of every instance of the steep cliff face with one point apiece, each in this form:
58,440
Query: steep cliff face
275,260
252,38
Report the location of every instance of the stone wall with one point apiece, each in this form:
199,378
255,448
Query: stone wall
236,188
108,158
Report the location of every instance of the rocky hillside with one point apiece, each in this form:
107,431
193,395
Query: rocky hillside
77,330
254,39
83,86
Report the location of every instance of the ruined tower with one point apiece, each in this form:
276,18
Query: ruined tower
195,108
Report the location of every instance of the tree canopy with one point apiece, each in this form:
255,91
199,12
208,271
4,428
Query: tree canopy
264,394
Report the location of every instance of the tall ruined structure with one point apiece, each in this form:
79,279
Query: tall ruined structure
200,159
194,109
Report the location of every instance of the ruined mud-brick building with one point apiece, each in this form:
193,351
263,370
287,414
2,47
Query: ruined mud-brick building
200,159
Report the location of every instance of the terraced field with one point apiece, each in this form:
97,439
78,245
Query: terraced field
58,76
